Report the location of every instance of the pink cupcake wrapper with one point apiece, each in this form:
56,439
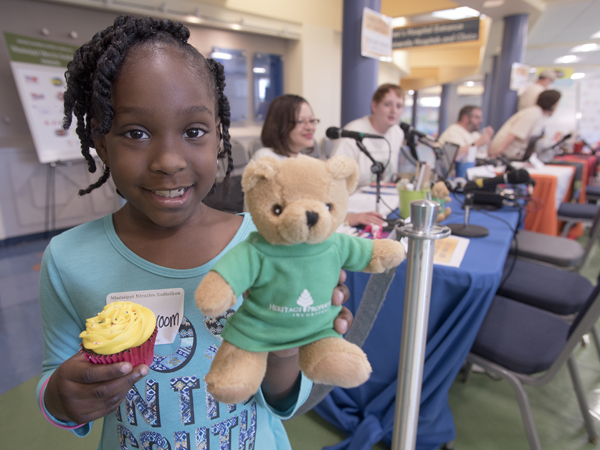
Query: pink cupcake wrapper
142,354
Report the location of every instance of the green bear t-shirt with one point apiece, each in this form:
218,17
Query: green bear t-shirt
290,289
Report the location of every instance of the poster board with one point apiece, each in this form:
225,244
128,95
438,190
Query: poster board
376,36
38,67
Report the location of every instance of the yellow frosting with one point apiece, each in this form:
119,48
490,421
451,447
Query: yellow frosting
121,325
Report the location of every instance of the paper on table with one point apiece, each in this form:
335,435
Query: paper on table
450,251
364,200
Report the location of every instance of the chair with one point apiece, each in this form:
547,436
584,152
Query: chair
254,145
574,213
555,250
327,147
240,158
316,151
592,194
527,346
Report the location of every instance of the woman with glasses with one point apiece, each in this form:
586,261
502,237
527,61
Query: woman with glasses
289,128
386,108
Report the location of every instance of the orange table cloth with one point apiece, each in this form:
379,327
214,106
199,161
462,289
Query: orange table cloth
543,219
588,172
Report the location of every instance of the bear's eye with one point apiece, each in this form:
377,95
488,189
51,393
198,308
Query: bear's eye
277,210
329,206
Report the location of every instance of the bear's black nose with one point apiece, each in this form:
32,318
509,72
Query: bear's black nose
311,218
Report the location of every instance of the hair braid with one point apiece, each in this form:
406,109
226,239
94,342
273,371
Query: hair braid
224,111
98,183
95,67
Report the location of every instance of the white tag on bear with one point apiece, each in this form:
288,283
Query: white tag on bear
166,304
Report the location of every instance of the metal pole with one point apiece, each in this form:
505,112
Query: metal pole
419,268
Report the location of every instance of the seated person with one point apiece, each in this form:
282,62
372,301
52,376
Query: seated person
288,129
386,108
465,132
513,137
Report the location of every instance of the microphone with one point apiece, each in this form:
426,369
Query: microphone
336,133
513,177
409,129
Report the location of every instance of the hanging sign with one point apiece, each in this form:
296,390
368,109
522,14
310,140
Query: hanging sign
449,32
376,36
39,70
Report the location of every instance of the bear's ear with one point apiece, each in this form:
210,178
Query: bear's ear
342,167
263,169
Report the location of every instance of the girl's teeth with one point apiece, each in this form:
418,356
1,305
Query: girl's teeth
171,194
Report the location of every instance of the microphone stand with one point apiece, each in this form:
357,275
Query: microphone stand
466,229
377,168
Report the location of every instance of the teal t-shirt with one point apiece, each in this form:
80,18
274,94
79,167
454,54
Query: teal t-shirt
290,289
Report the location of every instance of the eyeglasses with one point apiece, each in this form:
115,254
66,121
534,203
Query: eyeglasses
305,122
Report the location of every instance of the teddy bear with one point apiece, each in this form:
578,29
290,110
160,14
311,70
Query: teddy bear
289,268
441,194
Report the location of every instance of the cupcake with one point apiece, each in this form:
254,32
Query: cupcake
123,331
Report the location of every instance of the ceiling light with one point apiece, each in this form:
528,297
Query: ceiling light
463,12
596,35
493,3
259,70
591,47
577,76
566,59
470,83
221,55
411,92
398,22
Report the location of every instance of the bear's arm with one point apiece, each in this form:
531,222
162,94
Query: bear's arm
355,253
239,267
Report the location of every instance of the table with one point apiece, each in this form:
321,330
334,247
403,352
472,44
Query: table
553,185
460,298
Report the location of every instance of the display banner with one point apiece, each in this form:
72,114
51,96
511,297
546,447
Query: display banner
376,37
38,67
449,32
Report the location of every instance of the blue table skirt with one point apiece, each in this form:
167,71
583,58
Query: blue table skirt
460,298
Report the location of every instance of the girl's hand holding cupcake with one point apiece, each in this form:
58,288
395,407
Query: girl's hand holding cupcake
119,342
81,392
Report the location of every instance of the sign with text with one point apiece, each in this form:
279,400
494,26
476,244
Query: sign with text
39,70
449,32
376,37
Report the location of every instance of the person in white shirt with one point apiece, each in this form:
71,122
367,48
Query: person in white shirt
514,136
386,108
465,133
531,93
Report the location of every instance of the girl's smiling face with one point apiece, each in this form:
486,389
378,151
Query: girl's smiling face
163,144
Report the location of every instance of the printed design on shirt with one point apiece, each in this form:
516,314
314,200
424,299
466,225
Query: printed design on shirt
184,386
212,406
305,307
214,324
225,432
184,353
222,432
149,409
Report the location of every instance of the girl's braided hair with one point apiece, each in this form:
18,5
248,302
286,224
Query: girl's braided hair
95,66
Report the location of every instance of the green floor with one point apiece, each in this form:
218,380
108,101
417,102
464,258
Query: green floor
485,412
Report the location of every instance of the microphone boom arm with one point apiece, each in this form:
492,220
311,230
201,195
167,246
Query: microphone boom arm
377,168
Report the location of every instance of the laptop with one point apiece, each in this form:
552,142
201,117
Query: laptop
446,161
531,146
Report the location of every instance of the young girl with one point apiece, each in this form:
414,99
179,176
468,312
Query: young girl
154,110
289,128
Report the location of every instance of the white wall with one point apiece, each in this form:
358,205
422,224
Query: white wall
321,69
312,68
